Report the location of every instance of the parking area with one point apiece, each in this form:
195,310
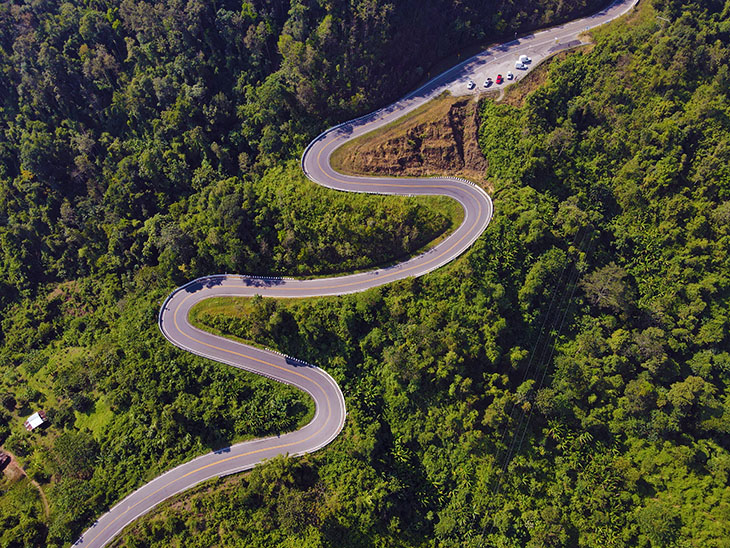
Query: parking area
497,70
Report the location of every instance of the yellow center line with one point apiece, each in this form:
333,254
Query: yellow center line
264,362
389,275
385,276
221,461
364,181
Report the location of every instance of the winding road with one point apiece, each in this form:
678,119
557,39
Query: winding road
330,412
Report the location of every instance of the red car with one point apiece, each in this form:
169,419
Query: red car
499,79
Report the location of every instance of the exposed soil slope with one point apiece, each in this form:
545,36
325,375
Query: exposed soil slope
438,138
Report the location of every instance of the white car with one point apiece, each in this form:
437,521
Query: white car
470,84
487,82
510,76
525,59
519,65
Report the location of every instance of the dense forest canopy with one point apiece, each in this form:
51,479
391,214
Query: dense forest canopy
116,115
145,143
564,384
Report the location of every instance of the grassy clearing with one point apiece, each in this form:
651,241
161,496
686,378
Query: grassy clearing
97,419
41,380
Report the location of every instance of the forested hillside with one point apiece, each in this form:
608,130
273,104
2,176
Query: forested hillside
145,143
566,383
112,114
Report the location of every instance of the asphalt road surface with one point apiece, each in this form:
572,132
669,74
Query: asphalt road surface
330,411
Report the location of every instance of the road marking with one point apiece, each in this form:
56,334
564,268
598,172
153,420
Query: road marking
379,118
233,457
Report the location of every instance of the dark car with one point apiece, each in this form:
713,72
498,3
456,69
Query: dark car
499,79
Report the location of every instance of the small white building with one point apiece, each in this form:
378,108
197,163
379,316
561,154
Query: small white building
35,420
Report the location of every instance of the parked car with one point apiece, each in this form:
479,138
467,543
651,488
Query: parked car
4,460
499,79
525,59
519,65
470,84
510,76
487,82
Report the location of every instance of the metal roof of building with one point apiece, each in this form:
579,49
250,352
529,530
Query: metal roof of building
34,421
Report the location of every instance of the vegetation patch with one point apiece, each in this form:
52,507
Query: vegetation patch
564,384
330,232
95,419
258,321
515,94
22,514
103,428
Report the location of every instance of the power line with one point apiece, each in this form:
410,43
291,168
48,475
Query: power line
568,288
526,373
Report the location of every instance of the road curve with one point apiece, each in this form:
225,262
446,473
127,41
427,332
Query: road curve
330,412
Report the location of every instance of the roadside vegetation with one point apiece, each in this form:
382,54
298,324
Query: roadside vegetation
563,384
143,144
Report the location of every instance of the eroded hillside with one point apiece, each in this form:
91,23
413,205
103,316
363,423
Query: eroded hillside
440,138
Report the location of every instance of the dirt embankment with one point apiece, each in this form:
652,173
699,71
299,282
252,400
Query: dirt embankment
440,138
